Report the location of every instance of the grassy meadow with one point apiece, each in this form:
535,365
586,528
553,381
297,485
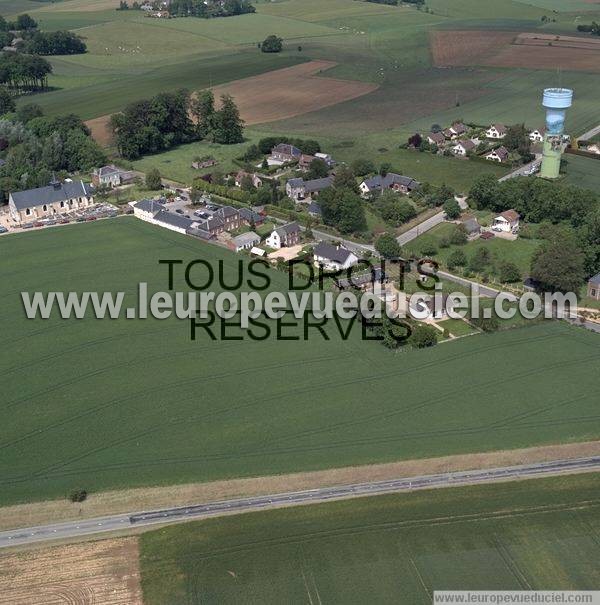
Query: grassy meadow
530,535
582,171
119,403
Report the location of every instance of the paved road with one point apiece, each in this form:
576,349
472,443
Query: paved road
525,170
484,290
71,529
590,134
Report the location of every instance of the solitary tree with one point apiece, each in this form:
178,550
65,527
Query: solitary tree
452,208
272,44
153,180
387,245
228,126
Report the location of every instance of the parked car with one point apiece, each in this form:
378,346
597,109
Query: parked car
90,218
3,229
179,211
39,224
81,219
27,226
64,221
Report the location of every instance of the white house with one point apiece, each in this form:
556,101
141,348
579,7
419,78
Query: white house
286,235
537,136
507,221
498,155
462,148
496,131
333,258
44,202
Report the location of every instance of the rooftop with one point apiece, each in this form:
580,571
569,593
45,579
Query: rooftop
56,192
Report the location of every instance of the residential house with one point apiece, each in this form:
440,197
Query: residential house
242,174
593,290
230,217
333,258
301,190
43,202
498,155
284,236
537,135
496,131
326,158
314,210
472,227
507,221
436,138
462,148
147,209
245,241
203,163
305,161
392,181
249,217
285,153
456,130
109,176
365,280
213,225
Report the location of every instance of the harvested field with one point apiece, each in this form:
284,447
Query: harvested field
105,572
458,48
292,91
508,49
100,130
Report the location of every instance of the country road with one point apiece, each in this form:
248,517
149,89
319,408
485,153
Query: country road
124,522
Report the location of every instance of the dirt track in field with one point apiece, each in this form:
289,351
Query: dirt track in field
275,95
105,572
122,501
510,49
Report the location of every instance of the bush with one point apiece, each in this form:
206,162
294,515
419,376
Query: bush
457,259
487,324
78,495
452,209
272,44
423,336
429,249
509,272
459,235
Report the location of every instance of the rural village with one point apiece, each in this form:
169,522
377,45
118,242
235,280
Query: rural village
440,157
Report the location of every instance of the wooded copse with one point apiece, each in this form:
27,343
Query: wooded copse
24,73
164,121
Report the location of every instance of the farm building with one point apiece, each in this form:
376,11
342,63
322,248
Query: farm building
249,216
284,236
333,257
507,222
593,290
147,209
47,201
392,181
285,153
457,129
537,135
436,138
252,176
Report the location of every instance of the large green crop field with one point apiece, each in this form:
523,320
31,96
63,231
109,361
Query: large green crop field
532,535
118,403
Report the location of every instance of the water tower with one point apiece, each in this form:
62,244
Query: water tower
556,103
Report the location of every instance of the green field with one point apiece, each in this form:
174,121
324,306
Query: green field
112,404
531,535
583,172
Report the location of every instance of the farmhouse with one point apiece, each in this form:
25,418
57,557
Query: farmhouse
496,131
250,217
53,199
498,155
284,236
462,148
285,153
245,241
537,135
593,290
507,222
333,258
395,182
436,138
301,190
109,176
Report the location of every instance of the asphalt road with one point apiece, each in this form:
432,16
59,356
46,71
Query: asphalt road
88,527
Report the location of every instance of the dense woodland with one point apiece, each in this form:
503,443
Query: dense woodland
162,122
35,147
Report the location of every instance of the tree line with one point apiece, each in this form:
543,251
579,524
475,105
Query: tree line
198,8
24,73
165,121
35,147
